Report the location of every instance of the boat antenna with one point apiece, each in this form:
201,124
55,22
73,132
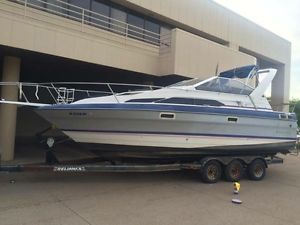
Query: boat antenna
217,69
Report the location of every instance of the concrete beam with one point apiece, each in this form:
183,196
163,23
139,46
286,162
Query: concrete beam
8,113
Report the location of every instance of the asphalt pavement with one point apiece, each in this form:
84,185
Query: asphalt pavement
165,198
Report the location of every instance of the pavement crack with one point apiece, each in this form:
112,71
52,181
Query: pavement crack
72,210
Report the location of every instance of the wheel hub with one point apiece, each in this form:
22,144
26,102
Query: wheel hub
258,171
212,172
235,172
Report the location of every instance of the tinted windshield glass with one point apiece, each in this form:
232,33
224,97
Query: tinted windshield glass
225,85
186,82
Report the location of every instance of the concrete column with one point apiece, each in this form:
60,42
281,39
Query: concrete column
8,113
280,89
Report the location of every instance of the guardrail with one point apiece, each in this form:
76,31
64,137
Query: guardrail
87,17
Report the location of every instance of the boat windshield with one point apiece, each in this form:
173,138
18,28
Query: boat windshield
225,85
187,82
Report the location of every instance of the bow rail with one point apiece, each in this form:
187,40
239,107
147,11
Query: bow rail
69,92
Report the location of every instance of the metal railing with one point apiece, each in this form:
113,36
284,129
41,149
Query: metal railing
88,17
68,92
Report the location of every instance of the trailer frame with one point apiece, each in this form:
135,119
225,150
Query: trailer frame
99,164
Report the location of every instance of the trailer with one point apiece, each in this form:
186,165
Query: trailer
210,168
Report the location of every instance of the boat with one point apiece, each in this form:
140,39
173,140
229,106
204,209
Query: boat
226,114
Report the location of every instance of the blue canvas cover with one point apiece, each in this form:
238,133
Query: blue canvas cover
240,72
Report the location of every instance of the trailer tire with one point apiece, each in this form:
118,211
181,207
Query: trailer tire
211,171
234,171
257,170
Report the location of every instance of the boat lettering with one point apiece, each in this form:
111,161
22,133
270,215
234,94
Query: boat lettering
77,113
69,169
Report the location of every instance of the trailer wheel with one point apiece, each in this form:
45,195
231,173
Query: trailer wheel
257,169
211,172
234,170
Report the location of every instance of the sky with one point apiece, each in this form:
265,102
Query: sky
282,17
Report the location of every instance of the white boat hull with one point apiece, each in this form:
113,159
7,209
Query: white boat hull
166,140
189,130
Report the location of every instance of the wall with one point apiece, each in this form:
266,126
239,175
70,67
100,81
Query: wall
193,56
207,18
46,33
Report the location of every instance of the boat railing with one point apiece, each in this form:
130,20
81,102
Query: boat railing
68,92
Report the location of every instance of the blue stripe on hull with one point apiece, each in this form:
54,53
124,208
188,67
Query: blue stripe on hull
172,108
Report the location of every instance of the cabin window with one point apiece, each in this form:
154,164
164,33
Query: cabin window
192,101
185,101
207,102
232,119
145,100
225,85
167,116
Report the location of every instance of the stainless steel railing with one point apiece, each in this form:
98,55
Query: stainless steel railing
68,92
